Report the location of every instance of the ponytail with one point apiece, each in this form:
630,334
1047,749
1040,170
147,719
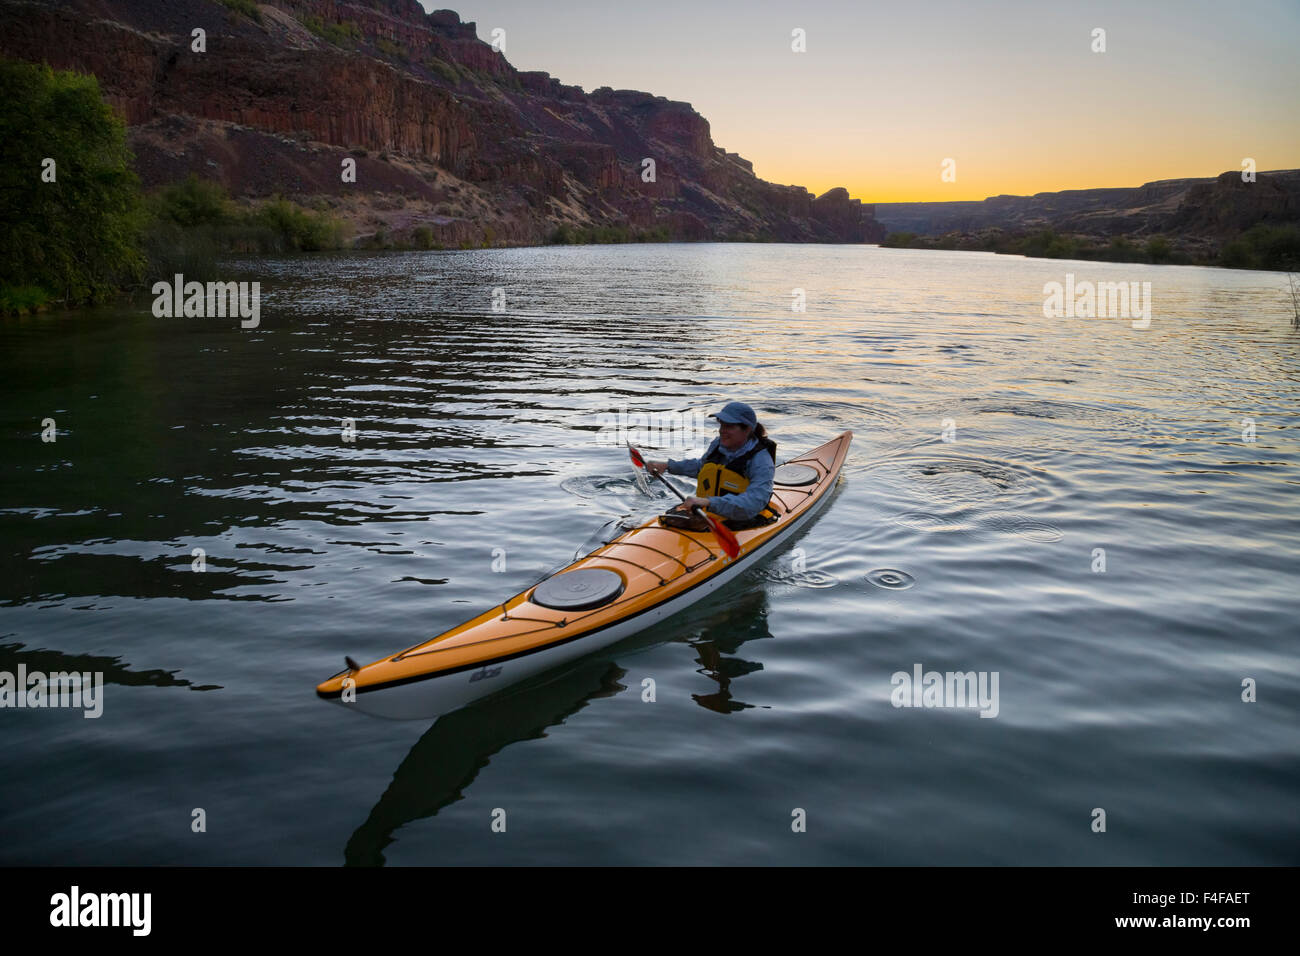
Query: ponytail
760,433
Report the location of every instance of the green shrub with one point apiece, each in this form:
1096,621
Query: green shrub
342,33
1158,249
170,249
194,224
379,240
191,202
564,235
1235,254
422,237
899,240
299,229
445,70
1048,245
1274,247
247,236
1263,246
247,7
1121,249
389,48
78,237
21,299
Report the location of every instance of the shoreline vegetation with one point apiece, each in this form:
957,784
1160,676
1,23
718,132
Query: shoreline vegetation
79,229
1264,246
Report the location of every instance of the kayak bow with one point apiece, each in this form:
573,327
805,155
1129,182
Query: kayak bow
633,582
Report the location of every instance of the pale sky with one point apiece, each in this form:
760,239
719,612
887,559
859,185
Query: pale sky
1009,89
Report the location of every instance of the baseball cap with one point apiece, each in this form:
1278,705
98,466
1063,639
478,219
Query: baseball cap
737,413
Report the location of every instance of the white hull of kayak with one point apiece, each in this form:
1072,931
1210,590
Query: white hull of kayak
438,694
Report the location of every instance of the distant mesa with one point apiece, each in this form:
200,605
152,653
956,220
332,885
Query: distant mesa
1189,220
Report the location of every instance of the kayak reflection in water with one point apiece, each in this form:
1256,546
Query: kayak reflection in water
733,478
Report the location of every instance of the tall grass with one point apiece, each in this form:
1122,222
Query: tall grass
193,224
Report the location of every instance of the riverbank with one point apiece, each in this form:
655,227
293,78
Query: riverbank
1263,246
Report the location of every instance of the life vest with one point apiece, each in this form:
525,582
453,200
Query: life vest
715,478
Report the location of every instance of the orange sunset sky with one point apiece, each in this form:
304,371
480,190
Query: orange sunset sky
1012,91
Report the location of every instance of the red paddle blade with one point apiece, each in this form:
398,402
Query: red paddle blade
725,538
636,457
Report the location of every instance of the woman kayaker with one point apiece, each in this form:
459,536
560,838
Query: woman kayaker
734,476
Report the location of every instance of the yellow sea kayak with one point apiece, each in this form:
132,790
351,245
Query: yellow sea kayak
636,580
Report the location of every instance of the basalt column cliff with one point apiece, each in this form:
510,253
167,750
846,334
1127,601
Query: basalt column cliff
446,135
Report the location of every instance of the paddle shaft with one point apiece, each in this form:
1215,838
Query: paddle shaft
728,540
673,488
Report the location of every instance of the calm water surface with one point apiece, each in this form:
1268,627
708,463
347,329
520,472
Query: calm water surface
485,438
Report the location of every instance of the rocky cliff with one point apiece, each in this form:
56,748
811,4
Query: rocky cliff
445,134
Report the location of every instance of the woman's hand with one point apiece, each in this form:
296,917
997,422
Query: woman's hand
656,467
694,502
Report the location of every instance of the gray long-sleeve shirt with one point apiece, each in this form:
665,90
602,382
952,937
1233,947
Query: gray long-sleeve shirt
753,499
